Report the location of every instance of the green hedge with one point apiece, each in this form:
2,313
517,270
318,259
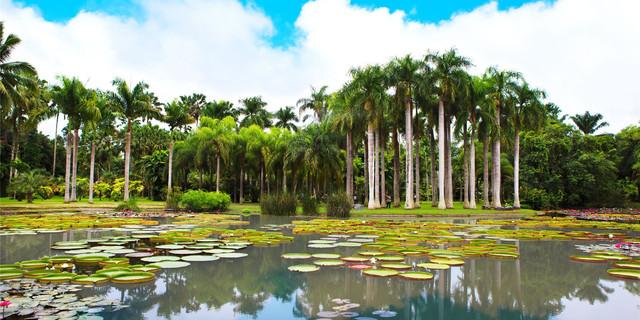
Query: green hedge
278,204
339,205
196,200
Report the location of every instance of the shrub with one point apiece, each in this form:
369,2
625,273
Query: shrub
173,199
309,205
130,205
539,199
117,190
339,205
246,211
102,190
197,200
278,204
45,192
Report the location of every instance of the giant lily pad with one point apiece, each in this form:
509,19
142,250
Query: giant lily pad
396,266
380,272
433,266
416,275
355,259
133,277
451,262
628,264
296,256
590,259
625,273
328,262
160,258
390,258
326,255
200,258
10,274
232,255
57,277
170,264
92,279
304,268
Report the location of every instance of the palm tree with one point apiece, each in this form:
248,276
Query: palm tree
254,112
131,105
217,133
316,103
404,77
177,117
447,71
286,118
90,126
527,113
76,102
589,123
219,110
501,85
369,91
28,183
195,102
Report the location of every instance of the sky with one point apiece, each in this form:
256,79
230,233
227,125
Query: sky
583,53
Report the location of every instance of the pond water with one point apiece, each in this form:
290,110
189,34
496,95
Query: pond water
542,284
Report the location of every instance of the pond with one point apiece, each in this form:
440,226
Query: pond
542,284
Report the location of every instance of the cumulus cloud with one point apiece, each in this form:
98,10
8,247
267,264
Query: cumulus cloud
582,52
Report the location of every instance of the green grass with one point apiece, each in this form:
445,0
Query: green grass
57,204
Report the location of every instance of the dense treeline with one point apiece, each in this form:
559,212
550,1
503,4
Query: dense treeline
413,132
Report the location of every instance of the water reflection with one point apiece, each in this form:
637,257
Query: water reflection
542,284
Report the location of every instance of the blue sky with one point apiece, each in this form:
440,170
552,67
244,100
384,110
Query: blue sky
283,13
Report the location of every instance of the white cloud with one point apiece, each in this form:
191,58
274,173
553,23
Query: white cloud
582,52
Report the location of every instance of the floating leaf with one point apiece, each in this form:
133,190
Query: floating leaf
380,272
416,275
232,255
160,258
200,258
328,262
296,256
625,273
433,266
396,266
304,268
133,277
170,264
326,255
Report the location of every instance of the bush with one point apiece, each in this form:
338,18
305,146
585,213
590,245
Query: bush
539,199
173,199
309,205
45,192
102,189
339,205
196,200
278,204
130,205
117,190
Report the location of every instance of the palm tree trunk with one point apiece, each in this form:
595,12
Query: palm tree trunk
371,163
218,172
441,158
284,178
67,171
349,178
261,178
396,169
241,198
366,168
55,147
408,204
516,169
92,163
170,169
432,168
472,169
465,165
127,160
383,191
485,173
449,170
417,178
376,167
495,156
74,172
13,171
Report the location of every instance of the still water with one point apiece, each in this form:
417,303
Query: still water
542,284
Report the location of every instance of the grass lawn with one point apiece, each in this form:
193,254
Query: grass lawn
57,204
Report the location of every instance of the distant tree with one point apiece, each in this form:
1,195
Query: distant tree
219,110
28,183
286,119
254,112
589,123
317,103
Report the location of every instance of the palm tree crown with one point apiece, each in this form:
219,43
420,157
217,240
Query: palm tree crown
286,118
589,123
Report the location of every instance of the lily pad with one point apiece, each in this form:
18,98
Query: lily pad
185,252
360,266
133,277
396,266
232,255
199,258
170,264
57,277
328,262
416,275
321,246
326,255
451,262
380,272
304,268
433,266
92,279
10,274
371,253
590,259
355,259
628,265
625,273
160,258
390,258
296,256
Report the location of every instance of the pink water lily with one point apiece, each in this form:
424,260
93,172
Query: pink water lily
5,303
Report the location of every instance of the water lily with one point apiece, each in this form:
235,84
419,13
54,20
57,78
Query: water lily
4,304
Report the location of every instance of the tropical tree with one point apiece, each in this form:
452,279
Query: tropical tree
447,71
369,91
219,110
217,135
131,104
178,118
286,118
403,75
527,113
501,86
254,112
195,103
28,183
589,123
317,103
12,73
91,126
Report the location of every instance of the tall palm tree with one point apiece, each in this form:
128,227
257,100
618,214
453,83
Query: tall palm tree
178,118
219,110
404,77
286,118
317,103
131,105
195,102
369,91
448,71
588,123
79,105
501,86
217,135
527,113
254,112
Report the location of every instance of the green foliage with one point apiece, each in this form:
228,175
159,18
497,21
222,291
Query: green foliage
309,205
130,205
540,199
117,190
102,189
173,199
45,192
197,200
339,205
278,204
27,184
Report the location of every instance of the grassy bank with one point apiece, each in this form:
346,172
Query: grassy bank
57,204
